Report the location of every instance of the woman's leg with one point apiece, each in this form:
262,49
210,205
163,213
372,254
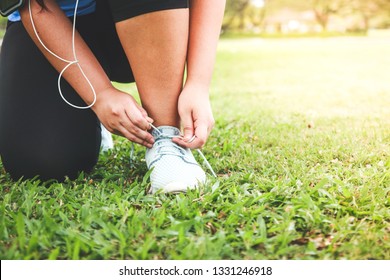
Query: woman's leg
39,133
156,46
155,43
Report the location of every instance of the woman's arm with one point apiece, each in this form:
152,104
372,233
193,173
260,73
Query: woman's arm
205,27
118,111
55,30
194,105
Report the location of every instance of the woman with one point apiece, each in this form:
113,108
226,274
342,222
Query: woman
41,135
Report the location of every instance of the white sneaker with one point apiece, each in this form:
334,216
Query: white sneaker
107,142
174,168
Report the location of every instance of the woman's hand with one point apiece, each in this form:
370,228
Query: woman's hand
196,116
194,105
122,115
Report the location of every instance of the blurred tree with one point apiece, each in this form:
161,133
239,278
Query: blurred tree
235,9
323,9
258,12
369,9
242,13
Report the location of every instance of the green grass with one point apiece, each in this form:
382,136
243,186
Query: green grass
302,149
3,24
250,35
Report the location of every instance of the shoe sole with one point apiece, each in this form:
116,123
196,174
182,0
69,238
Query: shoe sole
173,188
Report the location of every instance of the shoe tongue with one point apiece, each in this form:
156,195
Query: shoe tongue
164,131
163,136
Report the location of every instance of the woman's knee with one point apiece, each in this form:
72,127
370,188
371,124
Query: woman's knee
47,165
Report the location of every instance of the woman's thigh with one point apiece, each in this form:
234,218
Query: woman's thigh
39,133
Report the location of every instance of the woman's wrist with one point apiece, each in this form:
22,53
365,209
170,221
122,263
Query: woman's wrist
101,94
201,87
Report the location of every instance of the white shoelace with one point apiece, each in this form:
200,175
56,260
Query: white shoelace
171,137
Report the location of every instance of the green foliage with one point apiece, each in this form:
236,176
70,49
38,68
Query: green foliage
301,147
3,23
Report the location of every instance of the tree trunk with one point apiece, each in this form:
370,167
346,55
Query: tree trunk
366,22
322,19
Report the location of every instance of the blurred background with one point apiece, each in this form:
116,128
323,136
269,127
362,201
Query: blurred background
306,17
301,17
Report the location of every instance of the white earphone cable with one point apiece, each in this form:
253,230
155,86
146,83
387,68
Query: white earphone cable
70,63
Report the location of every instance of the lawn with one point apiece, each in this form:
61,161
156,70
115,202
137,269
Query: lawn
301,147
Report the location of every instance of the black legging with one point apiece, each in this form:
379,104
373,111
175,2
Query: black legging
39,133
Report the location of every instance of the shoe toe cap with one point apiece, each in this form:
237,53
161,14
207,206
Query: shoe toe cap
179,182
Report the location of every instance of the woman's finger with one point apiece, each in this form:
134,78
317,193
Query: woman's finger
134,138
